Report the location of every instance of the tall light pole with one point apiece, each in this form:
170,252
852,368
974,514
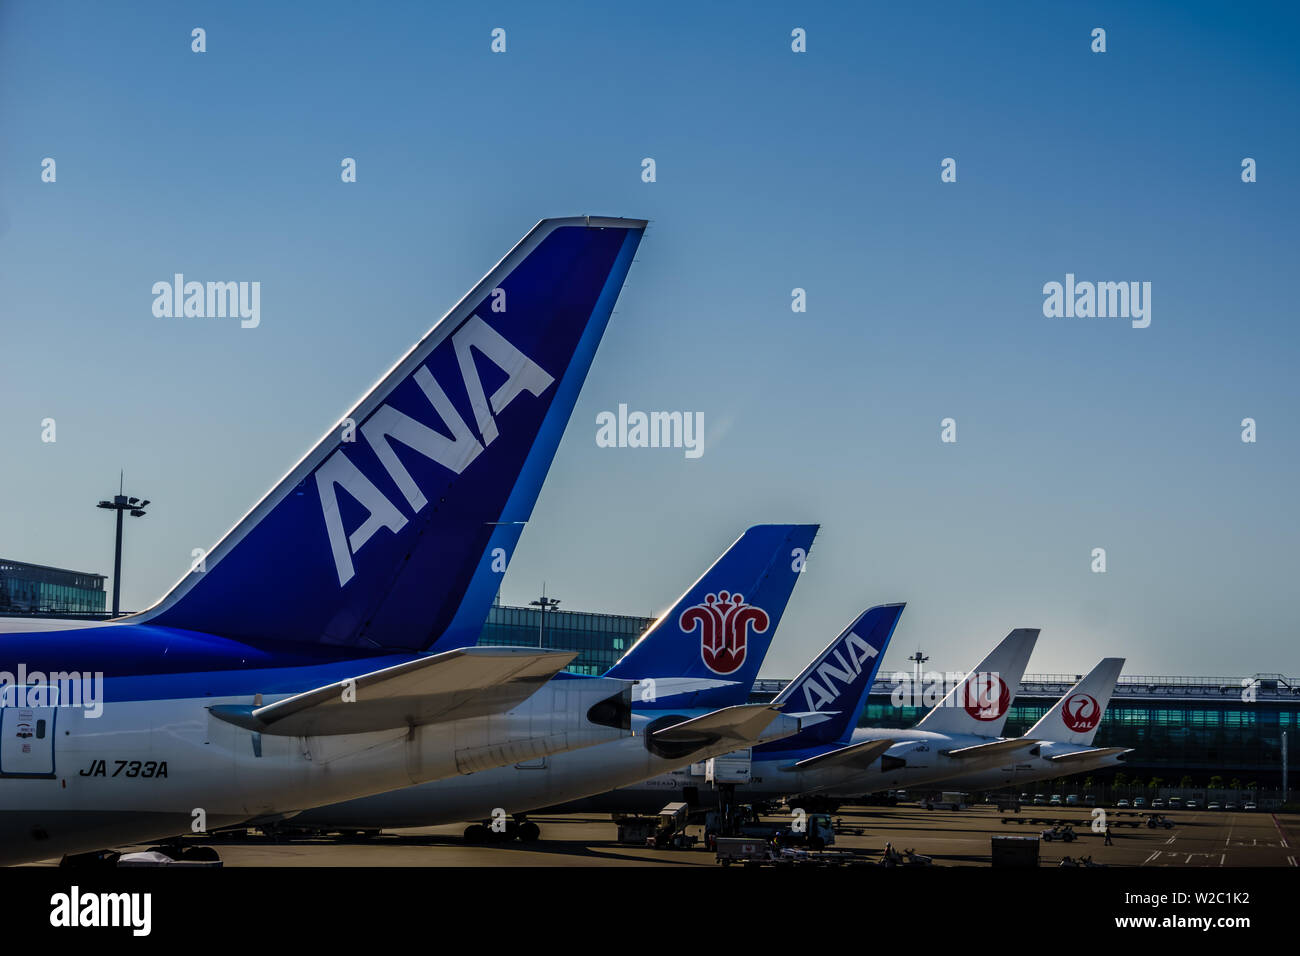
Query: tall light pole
1286,783
918,659
544,604
119,504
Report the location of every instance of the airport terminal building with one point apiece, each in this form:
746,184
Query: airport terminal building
1197,727
37,589
599,639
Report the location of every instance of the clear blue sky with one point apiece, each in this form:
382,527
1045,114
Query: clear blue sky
775,171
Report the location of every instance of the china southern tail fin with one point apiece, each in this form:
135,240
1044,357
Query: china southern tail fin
394,530
720,629
980,703
1077,715
838,680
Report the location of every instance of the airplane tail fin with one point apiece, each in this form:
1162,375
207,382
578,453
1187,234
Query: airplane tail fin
1077,715
719,631
394,530
838,680
980,703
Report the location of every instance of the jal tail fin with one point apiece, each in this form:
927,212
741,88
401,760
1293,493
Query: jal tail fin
1077,715
721,628
393,531
980,703
838,680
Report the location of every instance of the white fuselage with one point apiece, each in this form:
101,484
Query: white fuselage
1028,769
522,787
925,760
151,769
774,776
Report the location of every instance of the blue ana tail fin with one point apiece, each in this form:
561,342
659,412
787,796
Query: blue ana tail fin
838,680
393,531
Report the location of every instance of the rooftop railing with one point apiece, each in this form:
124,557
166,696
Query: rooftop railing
1264,686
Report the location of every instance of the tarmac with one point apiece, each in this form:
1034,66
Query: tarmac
1199,838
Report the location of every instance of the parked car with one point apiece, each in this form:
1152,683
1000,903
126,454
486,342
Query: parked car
1231,806
1140,803
1216,805
1056,800
1090,800
1040,800
1122,805
1175,803
1072,800
1250,806
1065,833
1158,803
1193,805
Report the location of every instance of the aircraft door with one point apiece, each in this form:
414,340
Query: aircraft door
27,741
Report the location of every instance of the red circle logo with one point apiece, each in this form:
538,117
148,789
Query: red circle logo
987,697
1081,713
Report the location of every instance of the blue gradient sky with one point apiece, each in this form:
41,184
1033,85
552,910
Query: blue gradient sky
775,170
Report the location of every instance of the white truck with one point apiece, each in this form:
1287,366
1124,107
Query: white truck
948,800
735,767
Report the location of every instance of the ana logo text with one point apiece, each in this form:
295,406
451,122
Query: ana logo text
825,680
387,425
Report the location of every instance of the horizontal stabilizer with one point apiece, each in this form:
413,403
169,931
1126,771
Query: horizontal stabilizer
860,755
811,718
454,685
744,723
650,690
994,748
1092,753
